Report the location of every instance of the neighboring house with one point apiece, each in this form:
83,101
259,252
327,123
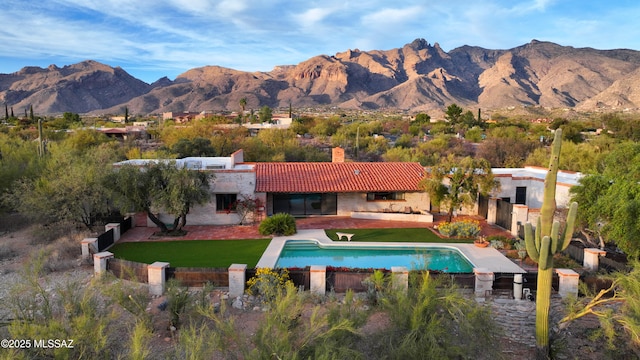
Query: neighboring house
342,188
520,196
128,132
180,117
278,122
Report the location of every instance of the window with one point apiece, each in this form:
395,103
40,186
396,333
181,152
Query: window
225,201
381,196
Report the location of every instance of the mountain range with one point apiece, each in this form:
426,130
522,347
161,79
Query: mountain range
416,77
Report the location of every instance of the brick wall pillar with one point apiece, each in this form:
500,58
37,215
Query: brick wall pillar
116,230
519,215
100,262
592,258
400,278
157,276
318,279
89,245
568,285
237,279
484,281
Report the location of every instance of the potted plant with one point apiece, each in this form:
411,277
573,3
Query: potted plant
481,241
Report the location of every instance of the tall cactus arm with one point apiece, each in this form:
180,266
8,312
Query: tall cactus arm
538,234
546,258
555,234
549,198
530,241
571,222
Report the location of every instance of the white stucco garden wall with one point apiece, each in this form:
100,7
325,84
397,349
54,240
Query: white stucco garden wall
533,179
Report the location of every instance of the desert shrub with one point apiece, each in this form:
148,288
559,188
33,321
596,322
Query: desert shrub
63,253
178,298
7,252
462,228
501,242
42,309
140,342
278,224
130,297
376,284
268,283
435,319
521,248
287,333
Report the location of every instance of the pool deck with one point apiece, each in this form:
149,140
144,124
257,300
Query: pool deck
488,258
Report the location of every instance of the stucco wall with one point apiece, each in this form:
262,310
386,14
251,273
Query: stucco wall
535,190
240,182
353,202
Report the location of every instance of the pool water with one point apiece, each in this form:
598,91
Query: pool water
301,253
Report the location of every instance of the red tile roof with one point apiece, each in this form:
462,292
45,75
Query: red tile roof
325,177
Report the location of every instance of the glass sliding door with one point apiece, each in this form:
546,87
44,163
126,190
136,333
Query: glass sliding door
305,204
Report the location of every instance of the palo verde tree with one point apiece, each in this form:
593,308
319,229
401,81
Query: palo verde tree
457,182
69,189
160,186
547,241
610,200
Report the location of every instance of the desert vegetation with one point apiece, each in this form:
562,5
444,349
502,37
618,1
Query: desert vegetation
61,187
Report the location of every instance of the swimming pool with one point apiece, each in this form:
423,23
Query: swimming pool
302,253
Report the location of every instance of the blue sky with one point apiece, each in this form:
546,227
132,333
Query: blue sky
154,38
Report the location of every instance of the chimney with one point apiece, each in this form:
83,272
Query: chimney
337,155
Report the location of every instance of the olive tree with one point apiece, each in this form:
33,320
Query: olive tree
161,185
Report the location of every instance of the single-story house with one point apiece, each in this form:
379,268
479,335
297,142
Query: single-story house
359,189
382,190
369,190
341,188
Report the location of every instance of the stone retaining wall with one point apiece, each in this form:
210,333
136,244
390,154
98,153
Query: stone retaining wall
518,317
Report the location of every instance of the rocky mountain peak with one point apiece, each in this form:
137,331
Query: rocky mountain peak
416,77
419,44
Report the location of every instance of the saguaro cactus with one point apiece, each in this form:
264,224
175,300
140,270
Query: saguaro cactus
546,242
41,144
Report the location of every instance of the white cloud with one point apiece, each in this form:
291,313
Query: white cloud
313,16
230,7
392,16
523,8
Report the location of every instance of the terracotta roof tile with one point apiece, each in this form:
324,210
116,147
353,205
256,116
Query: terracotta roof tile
324,177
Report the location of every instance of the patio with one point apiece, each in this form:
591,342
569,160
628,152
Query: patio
229,232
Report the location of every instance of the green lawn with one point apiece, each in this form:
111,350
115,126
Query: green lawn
194,253
394,235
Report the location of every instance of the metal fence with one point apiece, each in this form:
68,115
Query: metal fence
105,240
126,224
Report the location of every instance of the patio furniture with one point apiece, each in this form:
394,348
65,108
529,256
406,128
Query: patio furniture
347,235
